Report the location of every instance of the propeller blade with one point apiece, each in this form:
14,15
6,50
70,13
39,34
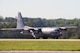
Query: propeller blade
32,33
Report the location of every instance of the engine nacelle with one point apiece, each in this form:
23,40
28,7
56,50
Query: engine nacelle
35,30
25,32
63,28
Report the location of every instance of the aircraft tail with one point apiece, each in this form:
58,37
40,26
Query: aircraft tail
20,24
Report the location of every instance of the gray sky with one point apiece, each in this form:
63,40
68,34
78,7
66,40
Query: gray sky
49,9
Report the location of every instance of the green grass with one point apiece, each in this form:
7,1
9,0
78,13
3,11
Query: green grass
40,45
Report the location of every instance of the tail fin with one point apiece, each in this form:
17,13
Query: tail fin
20,24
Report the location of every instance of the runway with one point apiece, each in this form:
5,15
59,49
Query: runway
39,51
39,39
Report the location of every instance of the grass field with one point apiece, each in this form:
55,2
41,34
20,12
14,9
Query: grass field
40,45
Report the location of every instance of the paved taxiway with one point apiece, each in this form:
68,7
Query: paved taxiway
39,51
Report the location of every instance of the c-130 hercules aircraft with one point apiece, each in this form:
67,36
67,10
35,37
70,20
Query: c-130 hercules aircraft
44,32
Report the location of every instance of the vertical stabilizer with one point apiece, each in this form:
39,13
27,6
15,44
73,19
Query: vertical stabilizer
20,24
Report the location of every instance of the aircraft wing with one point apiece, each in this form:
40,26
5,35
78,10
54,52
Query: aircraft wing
60,27
71,26
68,27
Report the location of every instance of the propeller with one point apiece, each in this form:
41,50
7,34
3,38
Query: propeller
32,33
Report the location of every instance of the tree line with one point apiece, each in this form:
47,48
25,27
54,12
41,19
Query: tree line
10,22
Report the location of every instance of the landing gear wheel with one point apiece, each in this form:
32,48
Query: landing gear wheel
38,37
45,37
56,37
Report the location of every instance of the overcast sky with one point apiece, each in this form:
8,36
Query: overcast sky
49,9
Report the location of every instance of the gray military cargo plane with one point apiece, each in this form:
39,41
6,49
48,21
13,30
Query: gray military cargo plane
44,32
